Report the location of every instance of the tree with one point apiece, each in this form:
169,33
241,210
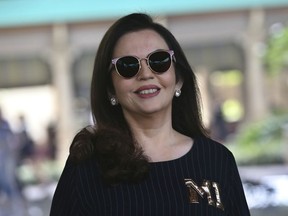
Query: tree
276,57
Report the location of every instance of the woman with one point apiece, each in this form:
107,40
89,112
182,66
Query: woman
148,153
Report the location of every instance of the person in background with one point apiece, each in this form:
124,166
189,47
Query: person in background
148,152
51,141
26,143
219,126
9,190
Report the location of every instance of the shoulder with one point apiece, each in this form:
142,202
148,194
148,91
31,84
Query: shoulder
82,146
206,142
213,148
80,169
4,125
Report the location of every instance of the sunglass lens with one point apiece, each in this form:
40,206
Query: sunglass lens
160,61
127,66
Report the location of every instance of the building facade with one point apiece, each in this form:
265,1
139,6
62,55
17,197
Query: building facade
53,62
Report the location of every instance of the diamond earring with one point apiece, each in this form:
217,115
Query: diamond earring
113,101
178,93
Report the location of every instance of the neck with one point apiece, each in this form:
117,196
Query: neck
159,141
150,127
156,136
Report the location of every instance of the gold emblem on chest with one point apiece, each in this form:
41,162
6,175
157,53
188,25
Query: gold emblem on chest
208,189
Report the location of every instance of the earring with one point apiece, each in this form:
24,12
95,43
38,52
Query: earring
178,93
113,101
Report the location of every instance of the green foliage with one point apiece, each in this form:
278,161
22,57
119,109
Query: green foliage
261,142
277,52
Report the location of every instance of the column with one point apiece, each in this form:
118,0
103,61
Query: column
60,58
255,99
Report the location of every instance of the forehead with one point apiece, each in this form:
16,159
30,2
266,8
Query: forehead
139,43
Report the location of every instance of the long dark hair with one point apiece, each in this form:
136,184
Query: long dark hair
111,140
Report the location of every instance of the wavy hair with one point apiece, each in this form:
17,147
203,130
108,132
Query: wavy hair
110,139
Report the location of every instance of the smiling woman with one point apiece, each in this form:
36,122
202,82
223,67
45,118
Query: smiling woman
153,77
148,152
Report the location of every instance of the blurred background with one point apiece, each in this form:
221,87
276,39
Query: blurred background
238,49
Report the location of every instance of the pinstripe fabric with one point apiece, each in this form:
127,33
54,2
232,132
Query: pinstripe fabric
80,190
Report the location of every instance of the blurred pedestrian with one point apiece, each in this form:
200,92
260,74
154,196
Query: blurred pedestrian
51,141
9,190
26,143
219,126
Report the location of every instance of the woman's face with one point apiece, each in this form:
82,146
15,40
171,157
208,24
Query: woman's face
147,92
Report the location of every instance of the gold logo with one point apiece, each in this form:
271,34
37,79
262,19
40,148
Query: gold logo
205,190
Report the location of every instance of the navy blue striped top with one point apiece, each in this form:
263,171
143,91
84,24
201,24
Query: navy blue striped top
205,181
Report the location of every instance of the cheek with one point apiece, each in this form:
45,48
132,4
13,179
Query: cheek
169,79
116,82
121,86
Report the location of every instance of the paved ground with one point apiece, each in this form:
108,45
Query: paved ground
270,211
35,201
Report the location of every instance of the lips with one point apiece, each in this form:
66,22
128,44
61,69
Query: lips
147,91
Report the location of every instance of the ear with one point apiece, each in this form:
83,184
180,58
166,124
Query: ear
110,94
110,91
179,83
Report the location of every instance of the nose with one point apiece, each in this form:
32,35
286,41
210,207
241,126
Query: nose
145,71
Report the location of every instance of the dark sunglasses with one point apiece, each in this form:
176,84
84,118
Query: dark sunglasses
158,61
